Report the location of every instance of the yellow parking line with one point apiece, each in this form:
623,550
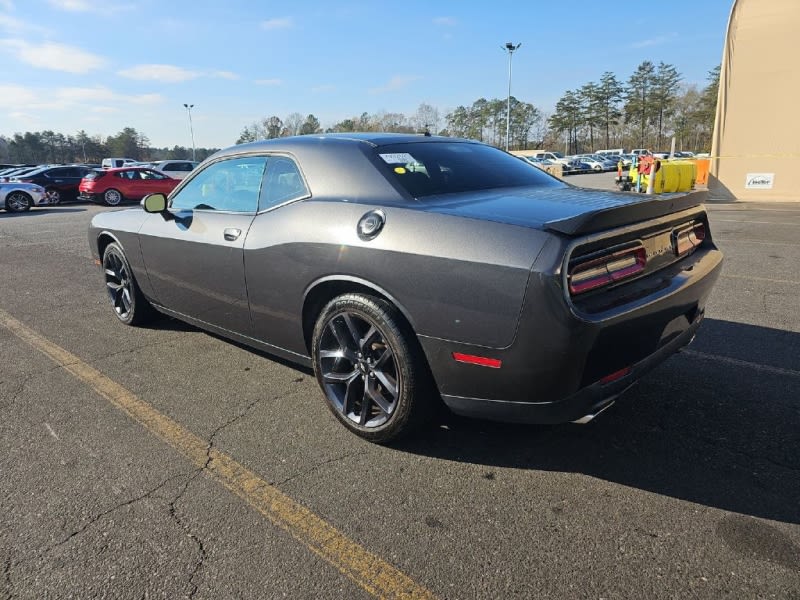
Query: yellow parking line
364,568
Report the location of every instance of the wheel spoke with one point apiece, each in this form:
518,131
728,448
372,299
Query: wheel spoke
383,358
342,338
364,415
113,286
389,383
376,397
351,330
126,299
338,353
363,343
331,377
350,390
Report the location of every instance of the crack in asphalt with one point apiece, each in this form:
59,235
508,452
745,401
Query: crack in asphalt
316,467
10,564
15,395
173,511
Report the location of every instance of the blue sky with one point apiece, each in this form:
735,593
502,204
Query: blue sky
101,65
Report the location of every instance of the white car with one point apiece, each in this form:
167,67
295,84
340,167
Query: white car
177,169
19,197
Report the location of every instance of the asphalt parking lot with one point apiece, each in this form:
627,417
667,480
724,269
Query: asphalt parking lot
166,462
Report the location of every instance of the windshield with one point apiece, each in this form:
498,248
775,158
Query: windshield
429,168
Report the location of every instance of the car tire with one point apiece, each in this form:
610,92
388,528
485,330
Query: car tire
371,369
112,197
129,304
53,196
18,202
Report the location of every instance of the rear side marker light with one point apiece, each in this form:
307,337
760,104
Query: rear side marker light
688,238
615,375
481,361
605,270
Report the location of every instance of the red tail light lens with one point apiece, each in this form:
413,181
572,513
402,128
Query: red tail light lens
604,270
688,238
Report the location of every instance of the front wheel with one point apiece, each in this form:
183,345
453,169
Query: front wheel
370,368
53,196
112,197
18,202
129,304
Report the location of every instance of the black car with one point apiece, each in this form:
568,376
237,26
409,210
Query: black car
60,182
410,270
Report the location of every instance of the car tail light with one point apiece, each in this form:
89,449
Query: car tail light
596,272
686,239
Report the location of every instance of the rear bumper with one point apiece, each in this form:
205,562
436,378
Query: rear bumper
588,401
87,197
563,364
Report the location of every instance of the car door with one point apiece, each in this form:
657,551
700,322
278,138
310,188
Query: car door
151,181
194,252
65,180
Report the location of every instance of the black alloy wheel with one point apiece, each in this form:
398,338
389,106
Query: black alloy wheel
369,366
130,306
18,202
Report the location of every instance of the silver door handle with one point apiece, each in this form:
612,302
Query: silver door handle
231,234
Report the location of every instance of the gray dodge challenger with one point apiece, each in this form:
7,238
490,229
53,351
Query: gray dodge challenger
410,270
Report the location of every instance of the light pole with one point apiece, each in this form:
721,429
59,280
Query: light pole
188,108
510,48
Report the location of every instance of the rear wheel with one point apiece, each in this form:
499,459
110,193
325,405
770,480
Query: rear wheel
370,368
18,202
112,197
129,304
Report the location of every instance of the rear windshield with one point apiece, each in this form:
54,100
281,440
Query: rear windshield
429,168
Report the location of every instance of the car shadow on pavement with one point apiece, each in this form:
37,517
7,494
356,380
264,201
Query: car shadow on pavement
39,211
718,425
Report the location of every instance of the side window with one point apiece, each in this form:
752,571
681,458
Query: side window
282,183
229,185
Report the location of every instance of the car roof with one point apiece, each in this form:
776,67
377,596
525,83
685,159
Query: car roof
128,168
375,139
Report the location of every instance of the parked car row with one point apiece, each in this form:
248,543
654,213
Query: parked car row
37,185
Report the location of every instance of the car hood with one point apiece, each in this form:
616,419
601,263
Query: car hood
568,210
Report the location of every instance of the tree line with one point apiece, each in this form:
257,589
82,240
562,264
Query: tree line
42,147
644,111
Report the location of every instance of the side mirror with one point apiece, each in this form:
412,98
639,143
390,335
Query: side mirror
154,203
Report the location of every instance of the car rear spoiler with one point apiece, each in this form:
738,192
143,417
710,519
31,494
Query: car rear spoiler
640,209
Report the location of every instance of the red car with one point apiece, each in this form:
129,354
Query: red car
113,186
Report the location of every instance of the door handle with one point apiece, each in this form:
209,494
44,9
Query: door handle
231,234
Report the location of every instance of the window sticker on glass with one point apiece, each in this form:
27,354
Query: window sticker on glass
397,158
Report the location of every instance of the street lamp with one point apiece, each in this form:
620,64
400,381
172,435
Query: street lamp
188,108
510,48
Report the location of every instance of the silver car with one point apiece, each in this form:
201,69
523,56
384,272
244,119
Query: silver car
19,197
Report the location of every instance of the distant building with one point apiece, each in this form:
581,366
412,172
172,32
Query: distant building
756,144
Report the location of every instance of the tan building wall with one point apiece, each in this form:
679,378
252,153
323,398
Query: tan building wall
757,127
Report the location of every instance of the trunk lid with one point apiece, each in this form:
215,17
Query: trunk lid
568,210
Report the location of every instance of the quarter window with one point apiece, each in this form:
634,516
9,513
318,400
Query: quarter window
282,184
229,185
